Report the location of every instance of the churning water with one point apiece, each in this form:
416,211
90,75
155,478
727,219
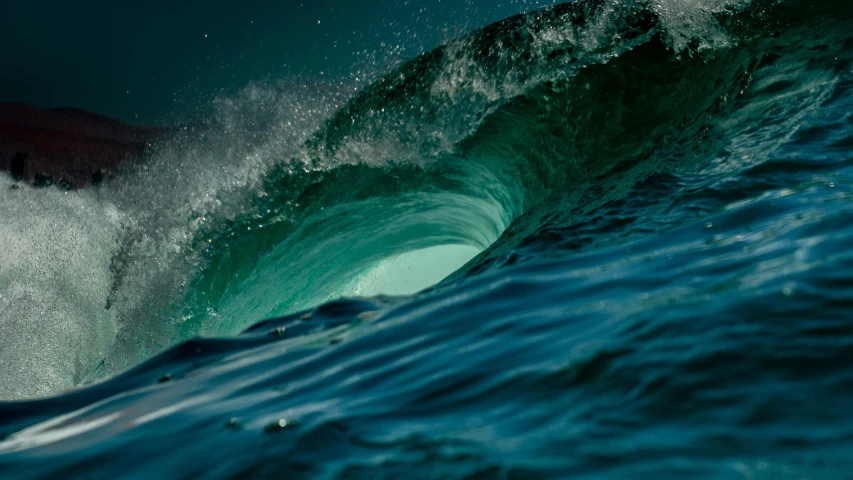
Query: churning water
612,237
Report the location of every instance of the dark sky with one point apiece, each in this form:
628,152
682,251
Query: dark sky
162,61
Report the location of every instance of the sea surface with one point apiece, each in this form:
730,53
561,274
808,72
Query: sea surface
602,240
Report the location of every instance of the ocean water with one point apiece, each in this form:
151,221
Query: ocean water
607,239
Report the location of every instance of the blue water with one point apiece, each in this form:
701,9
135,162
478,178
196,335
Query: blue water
642,209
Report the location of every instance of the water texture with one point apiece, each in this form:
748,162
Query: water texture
601,240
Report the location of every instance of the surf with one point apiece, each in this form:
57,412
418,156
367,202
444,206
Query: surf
464,160
616,235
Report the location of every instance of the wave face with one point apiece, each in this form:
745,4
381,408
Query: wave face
600,240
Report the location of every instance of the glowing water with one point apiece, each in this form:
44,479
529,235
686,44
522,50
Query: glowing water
411,272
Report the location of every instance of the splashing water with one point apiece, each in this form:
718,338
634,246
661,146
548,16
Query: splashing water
603,239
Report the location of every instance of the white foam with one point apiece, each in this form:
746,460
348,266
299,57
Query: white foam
693,22
66,256
55,253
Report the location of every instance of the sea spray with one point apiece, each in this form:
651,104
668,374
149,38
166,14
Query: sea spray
55,251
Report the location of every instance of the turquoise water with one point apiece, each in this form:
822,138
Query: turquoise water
600,240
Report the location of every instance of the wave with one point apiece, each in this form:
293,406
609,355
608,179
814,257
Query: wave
641,208
487,152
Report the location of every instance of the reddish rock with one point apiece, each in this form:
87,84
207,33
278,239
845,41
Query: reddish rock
67,145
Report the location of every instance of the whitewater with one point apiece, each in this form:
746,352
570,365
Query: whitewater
605,239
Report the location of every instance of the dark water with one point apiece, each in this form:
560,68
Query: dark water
659,194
